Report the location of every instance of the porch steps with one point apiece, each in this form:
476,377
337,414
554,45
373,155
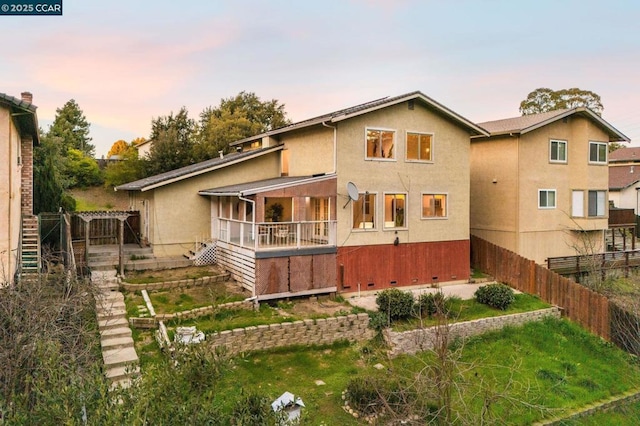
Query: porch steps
121,363
106,258
203,253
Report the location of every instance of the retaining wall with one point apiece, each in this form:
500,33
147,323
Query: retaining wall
413,341
308,332
170,285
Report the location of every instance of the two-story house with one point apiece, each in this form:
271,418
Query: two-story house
539,183
18,134
624,178
363,198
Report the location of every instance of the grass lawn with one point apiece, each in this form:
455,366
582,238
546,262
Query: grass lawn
467,310
177,274
171,301
628,415
99,198
554,364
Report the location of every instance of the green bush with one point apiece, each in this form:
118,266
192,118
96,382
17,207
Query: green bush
395,303
378,321
429,304
496,295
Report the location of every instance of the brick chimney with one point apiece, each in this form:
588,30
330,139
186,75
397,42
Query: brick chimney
27,97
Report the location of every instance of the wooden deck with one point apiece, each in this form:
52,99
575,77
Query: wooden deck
602,262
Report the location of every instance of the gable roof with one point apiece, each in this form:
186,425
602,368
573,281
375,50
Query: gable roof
206,166
528,123
621,177
354,111
25,115
625,154
256,187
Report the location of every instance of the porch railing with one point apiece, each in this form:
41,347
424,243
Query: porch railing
270,235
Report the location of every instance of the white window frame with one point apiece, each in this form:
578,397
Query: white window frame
406,147
394,146
374,206
601,209
555,198
577,203
384,219
446,205
558,141
598,160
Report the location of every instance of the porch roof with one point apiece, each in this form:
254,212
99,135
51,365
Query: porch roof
251,188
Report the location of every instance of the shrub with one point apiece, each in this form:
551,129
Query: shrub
378,321
496,295
395,303
431,303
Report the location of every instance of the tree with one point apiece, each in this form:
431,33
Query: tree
117,148
71,126
48,188
236,118
130,168
174,141
545,100
82,170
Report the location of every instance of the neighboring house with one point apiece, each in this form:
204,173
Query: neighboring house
624,178
539,183
144,148
364,198
18,134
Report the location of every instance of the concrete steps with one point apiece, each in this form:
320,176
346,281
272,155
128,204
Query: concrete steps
118,349
106,258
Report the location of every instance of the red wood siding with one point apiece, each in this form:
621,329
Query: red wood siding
376,267
295,273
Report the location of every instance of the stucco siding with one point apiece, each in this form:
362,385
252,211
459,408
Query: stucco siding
10,195
178,216
447,173
310,151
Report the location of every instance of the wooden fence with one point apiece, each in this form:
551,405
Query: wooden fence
105,230
586,307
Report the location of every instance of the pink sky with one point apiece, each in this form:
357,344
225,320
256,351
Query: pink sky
127,62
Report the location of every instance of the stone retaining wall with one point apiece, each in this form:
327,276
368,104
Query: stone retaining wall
151,322
170,285
413,341
308,332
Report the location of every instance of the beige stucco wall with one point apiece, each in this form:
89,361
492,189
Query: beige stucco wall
537,233
310,151
178,216
448,173
10,175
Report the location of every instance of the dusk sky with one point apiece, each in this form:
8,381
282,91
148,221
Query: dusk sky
126,62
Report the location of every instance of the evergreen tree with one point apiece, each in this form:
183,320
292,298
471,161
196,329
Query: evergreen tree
71,126
173,142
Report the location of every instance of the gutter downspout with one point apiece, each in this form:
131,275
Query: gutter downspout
335,146
9,248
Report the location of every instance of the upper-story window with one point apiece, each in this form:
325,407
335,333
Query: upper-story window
597,203
381,144
547,198
419,146
598,152
557,151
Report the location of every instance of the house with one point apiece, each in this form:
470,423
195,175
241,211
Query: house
624,178
144,148
539,183
363,198
19,250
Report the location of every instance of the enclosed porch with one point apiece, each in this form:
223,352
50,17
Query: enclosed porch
266,231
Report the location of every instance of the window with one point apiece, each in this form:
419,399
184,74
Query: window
364,212
419,146
598,152
394,211
380,144
547,198
434,205
597,203
557,151
577,204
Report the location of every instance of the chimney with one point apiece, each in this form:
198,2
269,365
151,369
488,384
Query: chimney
27,97
221,154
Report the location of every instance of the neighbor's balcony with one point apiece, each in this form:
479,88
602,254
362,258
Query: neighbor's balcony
278,235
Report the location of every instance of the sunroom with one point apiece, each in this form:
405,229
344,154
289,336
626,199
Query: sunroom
277,236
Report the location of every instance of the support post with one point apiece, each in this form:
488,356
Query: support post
121,247
86,241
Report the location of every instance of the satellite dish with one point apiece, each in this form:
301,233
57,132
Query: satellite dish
352,190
